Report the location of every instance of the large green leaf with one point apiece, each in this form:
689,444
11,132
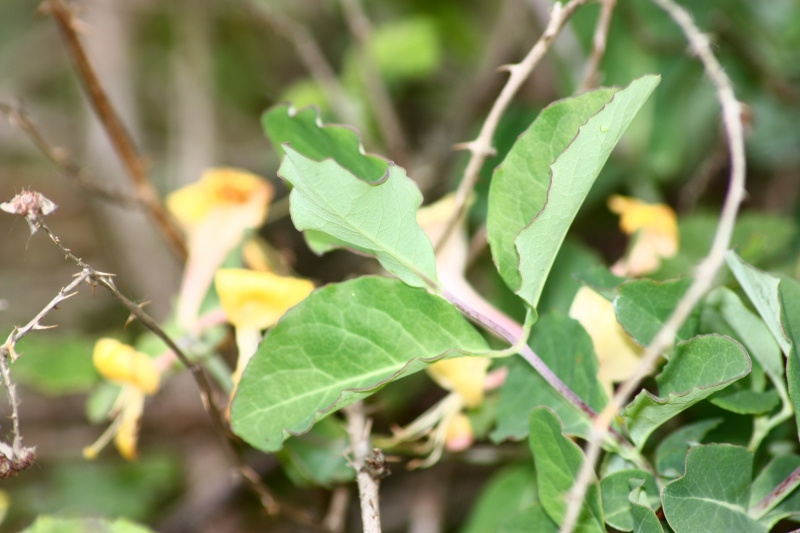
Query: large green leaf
615,489
378,218
567,350
644,306
775,473
573,174
519,185
339,345
778,302
51,524
699,367
509,491
644,518
714,493
319,456
671,452
56,365
304,132
558,461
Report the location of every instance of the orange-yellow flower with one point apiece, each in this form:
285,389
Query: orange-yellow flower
254,301
617,354
655,227
139,377
215,212
463,375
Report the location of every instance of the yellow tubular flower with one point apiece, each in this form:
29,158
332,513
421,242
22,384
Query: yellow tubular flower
215,212
128,431
656,230
254,301
120,363
460,435
463,375
617,354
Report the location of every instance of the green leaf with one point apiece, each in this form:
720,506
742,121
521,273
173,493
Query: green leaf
745,401
699,367
305,133
767,480
339,345
318,457
533,518
518,189
643,306
507,492
573,174
557,460
51,524
644,518
406,49
615,490
377,218
601,281
671,452
567,350
790,319
714,493
562,286
746,327
763,291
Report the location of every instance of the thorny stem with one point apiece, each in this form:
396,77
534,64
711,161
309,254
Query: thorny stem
481,148
706,271
117,133
598,45
62,160
377,92
358,427
203,384
7,351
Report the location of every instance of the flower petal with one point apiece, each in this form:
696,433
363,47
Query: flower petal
121,363
464,375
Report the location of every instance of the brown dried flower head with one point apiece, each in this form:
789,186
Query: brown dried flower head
31,205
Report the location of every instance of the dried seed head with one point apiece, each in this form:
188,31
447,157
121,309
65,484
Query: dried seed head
31,205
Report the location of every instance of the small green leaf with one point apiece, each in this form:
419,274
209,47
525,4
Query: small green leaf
573,173
377,218
318,457
518,190
303,130
339,345
671,452
406,49
601,281
507,492
644,518
714,493
534,518
763,291
776,472
567,350
615,490
699,367
51,524
644,306
557,460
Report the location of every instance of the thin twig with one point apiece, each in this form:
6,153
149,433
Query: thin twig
115,129
377,92
310,54
598,45
776,495
358,427
62,159
481,148
706,271
336,517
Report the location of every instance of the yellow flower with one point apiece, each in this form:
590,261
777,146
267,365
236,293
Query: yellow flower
138,375
617,355
459,435
254,301
463,375
655,227
120,363
215,212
